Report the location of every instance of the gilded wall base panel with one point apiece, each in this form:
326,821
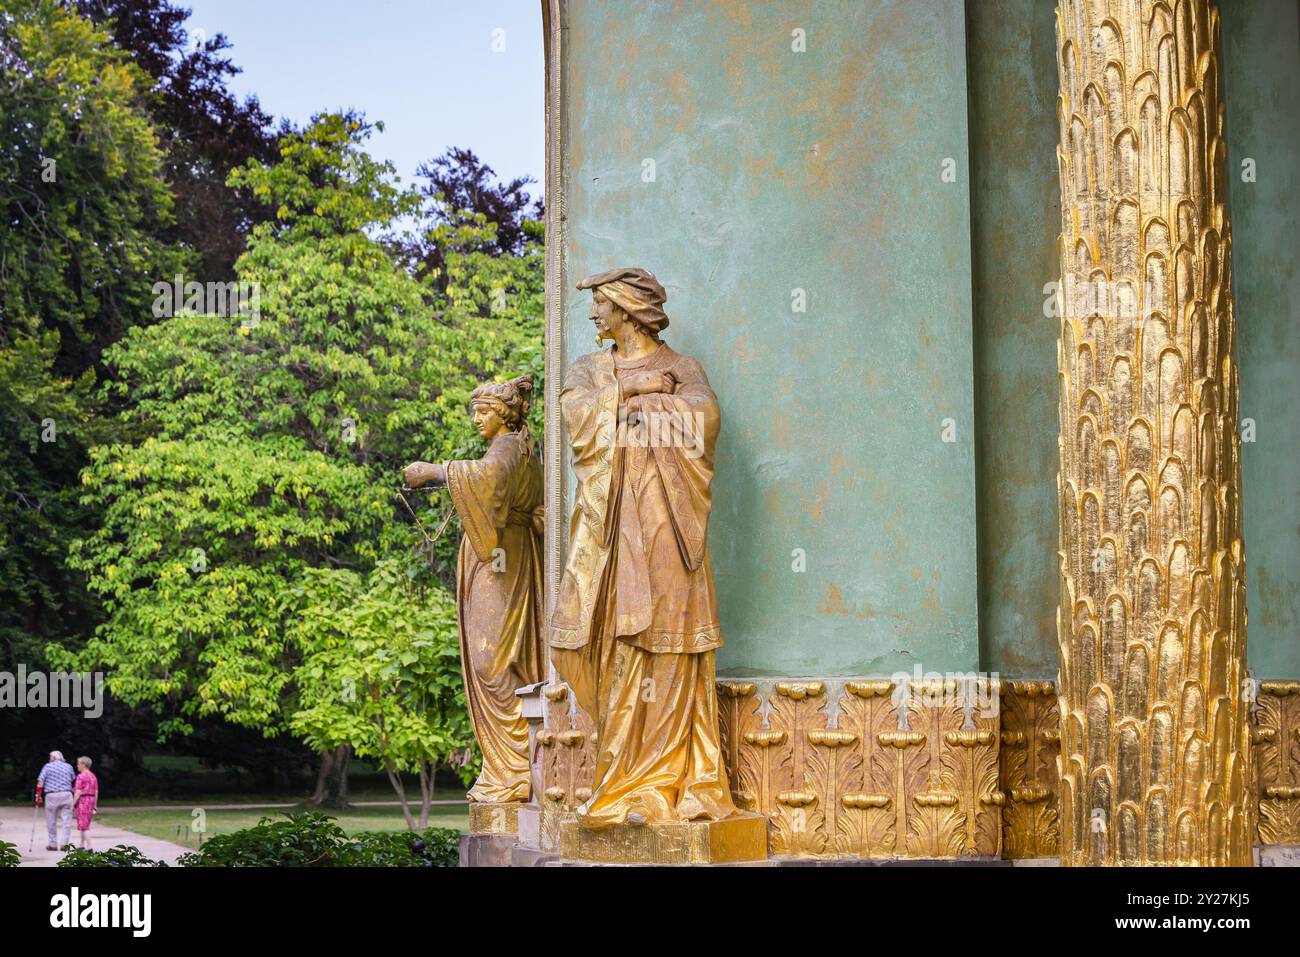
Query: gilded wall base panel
1276,735
858,768
568,760
1030,746
1030,749
828,764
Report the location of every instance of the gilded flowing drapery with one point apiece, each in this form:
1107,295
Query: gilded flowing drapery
636,623
499,605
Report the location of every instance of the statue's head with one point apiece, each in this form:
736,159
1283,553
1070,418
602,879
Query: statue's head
502,406
626,295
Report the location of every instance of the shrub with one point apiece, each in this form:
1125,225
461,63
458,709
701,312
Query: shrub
9,856
303,840
435,847
315,840
120,855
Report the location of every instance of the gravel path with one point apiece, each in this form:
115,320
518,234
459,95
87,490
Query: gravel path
16,827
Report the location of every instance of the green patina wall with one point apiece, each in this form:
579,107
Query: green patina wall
1261,60
1015,220
775,171
778,170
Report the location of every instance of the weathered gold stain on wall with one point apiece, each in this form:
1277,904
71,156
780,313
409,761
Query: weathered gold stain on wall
1152,627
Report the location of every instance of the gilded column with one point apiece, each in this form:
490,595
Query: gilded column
1155,756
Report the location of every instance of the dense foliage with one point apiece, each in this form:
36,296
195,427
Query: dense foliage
85,205
380,672
9,856
199,501
203,130
119,855
256,503
300,840
81,188
314,840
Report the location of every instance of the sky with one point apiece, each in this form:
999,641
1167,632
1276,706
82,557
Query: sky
426,68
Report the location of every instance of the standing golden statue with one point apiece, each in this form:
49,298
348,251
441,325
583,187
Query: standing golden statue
635,624
498,582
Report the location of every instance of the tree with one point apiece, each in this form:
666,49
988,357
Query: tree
81,185
264,451
380,673
83,197
204,131
460,190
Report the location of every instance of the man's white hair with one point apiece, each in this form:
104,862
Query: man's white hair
56,755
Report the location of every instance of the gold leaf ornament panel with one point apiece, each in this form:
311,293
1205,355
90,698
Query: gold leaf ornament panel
864,768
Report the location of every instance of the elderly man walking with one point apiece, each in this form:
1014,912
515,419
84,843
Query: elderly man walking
54,784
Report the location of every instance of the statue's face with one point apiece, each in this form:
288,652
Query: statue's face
607,317
488,422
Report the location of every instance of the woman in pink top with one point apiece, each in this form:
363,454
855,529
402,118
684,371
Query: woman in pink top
85,795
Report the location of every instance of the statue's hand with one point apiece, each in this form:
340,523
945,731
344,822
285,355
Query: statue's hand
418,474
647,383
413,474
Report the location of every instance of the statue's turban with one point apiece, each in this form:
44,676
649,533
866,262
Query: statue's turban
635,291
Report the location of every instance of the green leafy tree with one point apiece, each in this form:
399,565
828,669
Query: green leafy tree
457,188
262,454
84,201
204,131
380,672
81,184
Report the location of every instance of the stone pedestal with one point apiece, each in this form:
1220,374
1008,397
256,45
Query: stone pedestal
1278,855
494,818
486,850
530,825
523,856
493,833
736,840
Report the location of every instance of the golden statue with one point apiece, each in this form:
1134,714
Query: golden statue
498,583
635,624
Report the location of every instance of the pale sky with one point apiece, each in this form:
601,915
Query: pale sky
427,68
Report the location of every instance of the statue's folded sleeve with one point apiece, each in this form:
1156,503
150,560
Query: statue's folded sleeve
480,491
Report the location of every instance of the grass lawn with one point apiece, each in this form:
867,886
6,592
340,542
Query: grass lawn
164,824
376,793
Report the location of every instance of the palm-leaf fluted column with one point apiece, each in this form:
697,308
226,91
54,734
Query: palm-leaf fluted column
1154,744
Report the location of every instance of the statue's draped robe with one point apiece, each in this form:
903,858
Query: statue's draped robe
499,605
635,625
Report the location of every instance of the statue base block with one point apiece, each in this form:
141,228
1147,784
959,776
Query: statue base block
495,817
735,840
486,850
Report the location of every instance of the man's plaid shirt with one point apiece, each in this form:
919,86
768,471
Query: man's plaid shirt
57,776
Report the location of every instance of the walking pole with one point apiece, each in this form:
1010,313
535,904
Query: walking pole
36,813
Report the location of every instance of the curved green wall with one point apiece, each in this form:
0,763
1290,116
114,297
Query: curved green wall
822,171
